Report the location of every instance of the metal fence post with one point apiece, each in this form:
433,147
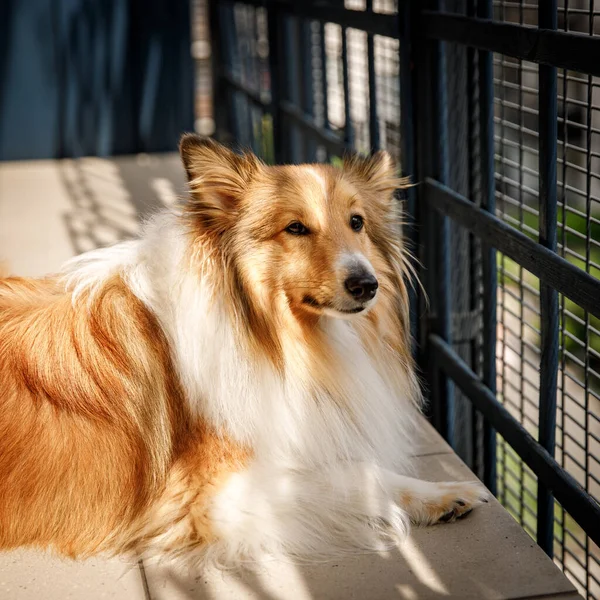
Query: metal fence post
490,276
408,162
548,296
433,139
221,115
274,31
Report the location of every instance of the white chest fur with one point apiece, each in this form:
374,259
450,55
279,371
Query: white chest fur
289,417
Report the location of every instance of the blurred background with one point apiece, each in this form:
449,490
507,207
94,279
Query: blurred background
108,86
86,78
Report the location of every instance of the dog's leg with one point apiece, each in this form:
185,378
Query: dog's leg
428,502
312,512
309,513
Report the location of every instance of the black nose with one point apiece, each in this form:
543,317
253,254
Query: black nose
362,287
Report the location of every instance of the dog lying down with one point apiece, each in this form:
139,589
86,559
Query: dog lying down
235,383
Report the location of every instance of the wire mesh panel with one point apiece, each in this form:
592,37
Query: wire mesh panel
332,73
517,193
387,73
493,106
516,126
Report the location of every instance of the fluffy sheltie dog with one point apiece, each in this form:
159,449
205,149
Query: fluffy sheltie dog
237,382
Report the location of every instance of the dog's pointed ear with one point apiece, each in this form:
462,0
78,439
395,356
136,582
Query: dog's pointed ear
378,171
217,177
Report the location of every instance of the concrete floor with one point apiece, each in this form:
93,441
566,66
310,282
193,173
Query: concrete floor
52,210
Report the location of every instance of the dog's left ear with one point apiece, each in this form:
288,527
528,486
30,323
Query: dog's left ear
378,171
218,177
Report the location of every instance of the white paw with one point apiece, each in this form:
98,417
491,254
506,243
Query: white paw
457,500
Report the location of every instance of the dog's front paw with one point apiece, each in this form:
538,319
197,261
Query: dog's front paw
443,502
456,500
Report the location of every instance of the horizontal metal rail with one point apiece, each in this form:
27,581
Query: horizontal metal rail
333,142
371,22
260,99
567,50
551,268
578,503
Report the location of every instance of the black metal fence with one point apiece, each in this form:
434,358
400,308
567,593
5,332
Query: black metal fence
494,109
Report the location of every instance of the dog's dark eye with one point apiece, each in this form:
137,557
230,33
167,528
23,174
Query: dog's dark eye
297,228
356,222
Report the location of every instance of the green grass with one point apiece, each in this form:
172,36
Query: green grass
263,131
574,324
524,487
572,241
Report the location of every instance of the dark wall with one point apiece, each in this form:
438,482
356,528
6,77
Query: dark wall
93,77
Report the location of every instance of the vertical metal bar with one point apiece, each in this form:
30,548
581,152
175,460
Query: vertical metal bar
294,147
547,11
422,107
292,44
563,357
430,110
254,78
443,409
446,388
490,276
373,120
460,258
306,86
588,233
477,348
444,404
248,71
348,133
220,104
324,76
521,287
562,300
245,36
230,48
502,495
265,125
408,148
276,56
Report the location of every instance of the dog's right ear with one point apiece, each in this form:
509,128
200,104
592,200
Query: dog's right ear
218,177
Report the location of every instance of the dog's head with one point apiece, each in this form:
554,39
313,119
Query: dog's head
316,236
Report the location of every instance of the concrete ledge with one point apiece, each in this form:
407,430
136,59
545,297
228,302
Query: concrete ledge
485,556
31,575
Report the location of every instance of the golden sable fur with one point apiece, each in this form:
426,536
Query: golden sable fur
93,423
108,443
